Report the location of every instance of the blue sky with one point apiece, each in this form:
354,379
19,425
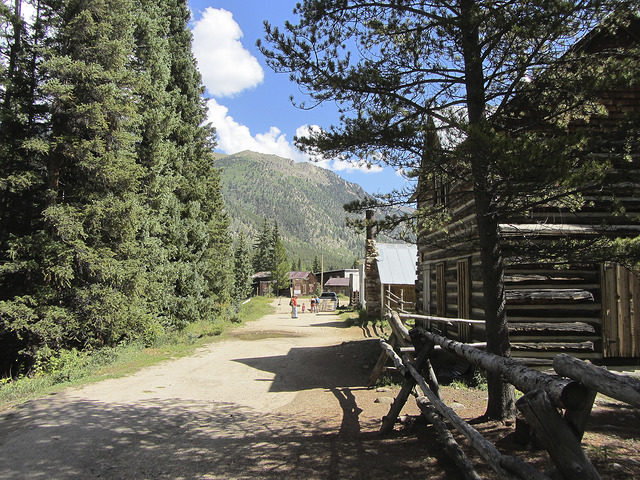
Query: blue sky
248,103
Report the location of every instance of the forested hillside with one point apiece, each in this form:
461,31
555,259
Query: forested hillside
306,201
112,227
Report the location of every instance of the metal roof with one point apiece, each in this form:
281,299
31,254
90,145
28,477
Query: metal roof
296,275
397,263
337,282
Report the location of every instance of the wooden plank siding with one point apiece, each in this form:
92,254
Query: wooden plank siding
620,315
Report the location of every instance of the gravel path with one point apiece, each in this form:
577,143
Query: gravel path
279,398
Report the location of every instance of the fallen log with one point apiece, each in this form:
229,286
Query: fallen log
564,393
449,444
616,386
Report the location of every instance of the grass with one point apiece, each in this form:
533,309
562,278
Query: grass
73,368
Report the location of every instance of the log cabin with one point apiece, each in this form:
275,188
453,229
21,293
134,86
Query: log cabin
586,309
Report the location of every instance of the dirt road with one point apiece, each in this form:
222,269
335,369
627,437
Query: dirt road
280,398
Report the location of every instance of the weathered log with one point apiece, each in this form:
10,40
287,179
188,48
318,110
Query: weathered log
563,393
556,436
450,446
485,448
397,361
398,327
550,328
577,418
422,343
431,318
620,387
553,346
548,295
389,420
380,363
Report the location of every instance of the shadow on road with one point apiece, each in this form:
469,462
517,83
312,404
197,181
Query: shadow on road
329,367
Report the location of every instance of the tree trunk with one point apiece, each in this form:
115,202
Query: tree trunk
501,403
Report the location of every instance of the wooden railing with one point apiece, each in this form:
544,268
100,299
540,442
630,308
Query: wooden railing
401,305
544,396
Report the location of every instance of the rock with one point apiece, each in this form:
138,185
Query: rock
383,389
456,405
384,400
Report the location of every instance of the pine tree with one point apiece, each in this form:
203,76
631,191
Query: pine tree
316,264
262,248
280,271
242,270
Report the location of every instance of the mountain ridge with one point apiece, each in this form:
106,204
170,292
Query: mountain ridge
305,200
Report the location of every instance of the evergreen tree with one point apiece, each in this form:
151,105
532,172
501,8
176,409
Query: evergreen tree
242,270
280,271
262,248
316,264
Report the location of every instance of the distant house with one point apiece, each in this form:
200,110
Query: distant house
302,283
339,285
261,283
390,275
349,277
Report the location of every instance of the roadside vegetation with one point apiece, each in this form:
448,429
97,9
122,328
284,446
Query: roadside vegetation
73,367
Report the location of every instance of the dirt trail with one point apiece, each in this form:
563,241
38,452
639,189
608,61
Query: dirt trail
281,398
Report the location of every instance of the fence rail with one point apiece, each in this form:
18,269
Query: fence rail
573,391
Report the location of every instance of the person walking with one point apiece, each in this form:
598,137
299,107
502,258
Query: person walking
294,307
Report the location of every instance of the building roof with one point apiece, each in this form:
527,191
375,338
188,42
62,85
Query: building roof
259,275
302,275
337,282
397,263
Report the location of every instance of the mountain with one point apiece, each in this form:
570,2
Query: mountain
306,201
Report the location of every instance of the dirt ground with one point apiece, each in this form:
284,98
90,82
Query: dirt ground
280,398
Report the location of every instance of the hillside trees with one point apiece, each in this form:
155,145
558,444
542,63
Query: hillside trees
400,69
243,270
113,223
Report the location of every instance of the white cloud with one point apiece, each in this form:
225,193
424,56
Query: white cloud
226,66
234,137
352,166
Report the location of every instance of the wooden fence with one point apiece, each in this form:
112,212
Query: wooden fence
544,397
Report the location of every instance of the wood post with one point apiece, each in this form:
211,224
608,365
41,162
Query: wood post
450,446
382,359
556,436
389,420
616,386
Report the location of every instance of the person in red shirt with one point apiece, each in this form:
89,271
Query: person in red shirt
294,307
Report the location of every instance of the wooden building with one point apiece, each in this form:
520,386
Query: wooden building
261,283
584,309
302,283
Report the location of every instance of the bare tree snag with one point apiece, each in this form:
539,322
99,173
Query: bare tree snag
615,386
556,436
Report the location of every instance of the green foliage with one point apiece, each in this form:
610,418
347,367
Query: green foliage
53,369
306,202
242,270
113,224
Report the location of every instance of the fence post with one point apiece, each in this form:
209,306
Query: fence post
556,436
